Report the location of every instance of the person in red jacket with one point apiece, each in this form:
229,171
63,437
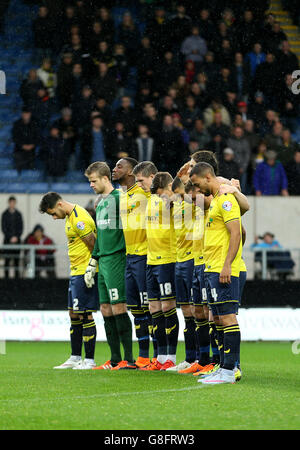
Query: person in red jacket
44,259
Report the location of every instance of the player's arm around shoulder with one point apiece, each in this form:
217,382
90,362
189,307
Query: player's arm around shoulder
234,188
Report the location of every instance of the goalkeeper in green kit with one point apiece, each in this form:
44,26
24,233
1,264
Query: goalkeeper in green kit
110,254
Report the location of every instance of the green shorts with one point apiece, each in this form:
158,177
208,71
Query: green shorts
111,278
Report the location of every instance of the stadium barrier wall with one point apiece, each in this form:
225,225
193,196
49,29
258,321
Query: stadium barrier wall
279,215
37,310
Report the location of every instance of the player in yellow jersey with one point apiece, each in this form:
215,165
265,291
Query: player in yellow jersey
80,230
222,253
133,205
161,258
183,215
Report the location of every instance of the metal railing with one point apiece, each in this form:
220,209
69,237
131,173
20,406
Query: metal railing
262,263
28,258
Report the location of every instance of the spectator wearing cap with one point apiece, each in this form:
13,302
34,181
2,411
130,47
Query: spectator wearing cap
242,109
270,177
228,166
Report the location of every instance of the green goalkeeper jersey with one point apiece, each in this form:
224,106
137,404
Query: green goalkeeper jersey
110,237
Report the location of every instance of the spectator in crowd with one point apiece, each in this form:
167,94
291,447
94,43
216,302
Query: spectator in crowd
251,136
255,58
145,145
129,35
206,26
270,177
126,114
260,154
256,110
190,112
216,113
156,29
166,72
64,77
170,147
286,59
104,84
274,139
107,23
12,229
97,36
83,104
41,109
26,136
48,77
43,32
240,73
288,104
44,258
120,66
120,143
246,32
102,108
242,153
218,125
29,88
151,119
228,167
66,125
55,154
276,37
194,47
199,134
210,67
179,27
292,169
93,142
288,147
267,241
266,79
145,61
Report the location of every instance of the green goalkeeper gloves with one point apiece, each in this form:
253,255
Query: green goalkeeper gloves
89,276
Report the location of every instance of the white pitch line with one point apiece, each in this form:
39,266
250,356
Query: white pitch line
110,394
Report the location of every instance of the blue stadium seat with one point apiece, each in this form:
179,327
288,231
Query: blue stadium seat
75,176
31,175
17,188
61,188
5,162
39,188
82,188
9,175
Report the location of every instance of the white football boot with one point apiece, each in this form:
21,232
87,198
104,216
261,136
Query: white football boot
221,376
86,364
70,363
180,366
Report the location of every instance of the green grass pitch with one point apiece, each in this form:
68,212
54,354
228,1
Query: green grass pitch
33,396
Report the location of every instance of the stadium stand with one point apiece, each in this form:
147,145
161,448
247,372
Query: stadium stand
142,59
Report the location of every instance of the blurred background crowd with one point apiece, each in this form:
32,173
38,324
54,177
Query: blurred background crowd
158,81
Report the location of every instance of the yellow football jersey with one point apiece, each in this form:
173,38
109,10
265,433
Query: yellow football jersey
79,224
160,231
133,206
198,235
183,216
243,267
223,209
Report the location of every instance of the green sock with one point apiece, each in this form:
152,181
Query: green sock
124,327
113,339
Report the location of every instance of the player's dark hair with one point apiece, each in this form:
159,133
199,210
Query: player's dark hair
145,168
177,184
201,169
131,161
208,157
49,201
160,181
189,187
100,168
